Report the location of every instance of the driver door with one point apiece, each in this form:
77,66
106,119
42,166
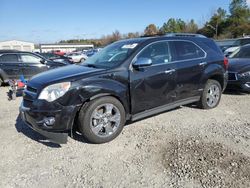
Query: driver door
154,85
32,65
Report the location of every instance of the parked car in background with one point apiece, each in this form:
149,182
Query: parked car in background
13,64
57,58
225,44
128,80
239,69
77,57
91,52
58,52
235,45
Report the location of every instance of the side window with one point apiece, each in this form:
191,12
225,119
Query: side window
8,58
27,58
158,52
187,50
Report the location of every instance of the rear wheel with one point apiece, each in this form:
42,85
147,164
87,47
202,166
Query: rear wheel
211,95
101,120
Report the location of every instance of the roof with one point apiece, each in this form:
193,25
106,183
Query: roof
15,41
8,51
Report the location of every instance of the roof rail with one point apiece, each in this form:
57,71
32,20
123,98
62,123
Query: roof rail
185,35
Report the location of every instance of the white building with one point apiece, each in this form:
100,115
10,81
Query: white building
64,47
17,45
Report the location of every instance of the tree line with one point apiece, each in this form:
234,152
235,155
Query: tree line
221,25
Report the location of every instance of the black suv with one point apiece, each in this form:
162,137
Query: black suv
13,64
126,81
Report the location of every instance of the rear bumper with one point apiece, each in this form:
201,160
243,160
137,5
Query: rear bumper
62,124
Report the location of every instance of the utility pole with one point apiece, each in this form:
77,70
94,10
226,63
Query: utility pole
215,29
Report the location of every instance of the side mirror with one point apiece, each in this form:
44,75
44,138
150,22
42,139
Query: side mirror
142,62
43,61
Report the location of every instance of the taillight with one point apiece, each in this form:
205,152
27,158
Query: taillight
226,63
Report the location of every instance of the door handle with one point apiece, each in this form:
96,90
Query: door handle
170,71
203,63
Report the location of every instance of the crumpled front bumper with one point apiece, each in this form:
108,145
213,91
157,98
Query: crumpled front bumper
58,133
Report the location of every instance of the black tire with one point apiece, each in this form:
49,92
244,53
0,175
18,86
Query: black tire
204,102
85,120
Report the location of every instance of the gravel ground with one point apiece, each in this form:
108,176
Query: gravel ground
186,147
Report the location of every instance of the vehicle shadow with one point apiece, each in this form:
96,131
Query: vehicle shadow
129,122
27,131
235,92
75,135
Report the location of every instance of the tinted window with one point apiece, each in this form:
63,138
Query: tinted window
158,52
8,58
27,58
187,50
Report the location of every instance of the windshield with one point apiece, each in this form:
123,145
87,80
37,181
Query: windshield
111,55
243,52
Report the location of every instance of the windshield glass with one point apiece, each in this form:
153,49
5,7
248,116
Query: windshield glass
111,55
243,52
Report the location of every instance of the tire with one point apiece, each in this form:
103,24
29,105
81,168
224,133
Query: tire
98,124
82,60
211,95
1,82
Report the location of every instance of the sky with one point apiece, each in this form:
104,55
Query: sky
47,21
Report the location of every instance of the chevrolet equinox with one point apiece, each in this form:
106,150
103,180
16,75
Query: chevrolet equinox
126,81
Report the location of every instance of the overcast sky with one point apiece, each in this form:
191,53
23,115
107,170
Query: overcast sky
51,21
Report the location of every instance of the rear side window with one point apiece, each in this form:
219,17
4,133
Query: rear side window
8,58
158,52
186,50
27,58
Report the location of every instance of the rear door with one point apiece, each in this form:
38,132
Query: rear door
11,66
32,65
191,62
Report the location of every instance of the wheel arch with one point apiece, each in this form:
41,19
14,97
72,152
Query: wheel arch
214,72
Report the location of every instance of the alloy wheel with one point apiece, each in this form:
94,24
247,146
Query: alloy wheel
105,120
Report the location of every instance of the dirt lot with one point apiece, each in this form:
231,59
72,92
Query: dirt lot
186,147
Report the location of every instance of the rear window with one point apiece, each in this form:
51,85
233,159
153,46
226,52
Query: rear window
8,58
186,50
213,46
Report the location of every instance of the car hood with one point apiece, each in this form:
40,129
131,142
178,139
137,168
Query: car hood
239,65
62,74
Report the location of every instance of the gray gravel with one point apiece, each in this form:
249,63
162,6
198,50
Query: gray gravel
186,147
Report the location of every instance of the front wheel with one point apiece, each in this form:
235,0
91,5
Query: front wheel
211,95
101,120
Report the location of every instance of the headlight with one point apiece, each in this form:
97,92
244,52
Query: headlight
55,91
245,74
